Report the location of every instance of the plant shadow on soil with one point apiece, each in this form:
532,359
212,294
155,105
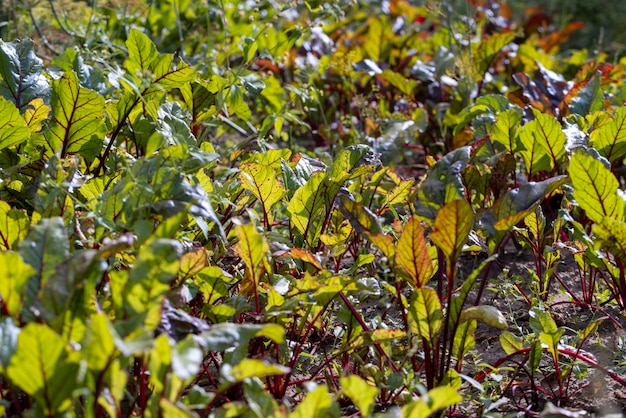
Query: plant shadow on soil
595,392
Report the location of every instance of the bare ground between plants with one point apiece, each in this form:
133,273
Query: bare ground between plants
595,393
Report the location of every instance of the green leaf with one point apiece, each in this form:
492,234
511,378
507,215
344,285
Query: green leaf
611,235
542,322
306,206
248,368
13,128
21,73
595,188
464,339
15,274
374,40
452,226
489,315
544,143
412,253
155,268
361,393
13,226
186,358
45,248
262,181
510,343
506,130
253,249
435,400
100,346
316,404
78,119
443,183
8,341
362,219
590,98
405,85
488,49
610,138
426,314
141,52
38,367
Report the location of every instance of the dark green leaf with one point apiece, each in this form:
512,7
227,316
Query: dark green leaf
21,70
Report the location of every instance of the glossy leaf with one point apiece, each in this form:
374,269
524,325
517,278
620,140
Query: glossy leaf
412,253
443,183
78,119
425,312
595,188
452,225
13,128
489,315
21,73
45,247
589,97
15,274
362,219
8,341
610,138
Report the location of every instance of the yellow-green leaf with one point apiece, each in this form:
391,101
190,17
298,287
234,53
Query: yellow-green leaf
361,393
253,248
610,139
452,225
248,368
13,226
595,188
435,400
13,128
15,274
262,181
412,253
426,314
35,114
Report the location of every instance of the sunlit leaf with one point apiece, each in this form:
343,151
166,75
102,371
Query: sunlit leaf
78,119
248,368
360,392
38,368
305,207
452,225
13,226
262,181
316,404
510,343
35,114
544,142
506,130
611,235
141,52
464,339
15,274
362,219
488,314
595,188
13,128
425,312
610,138
488,48
435,400
589,97
253,248
412,253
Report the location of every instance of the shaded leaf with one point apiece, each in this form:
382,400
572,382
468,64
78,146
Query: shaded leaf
588,96
362,219
21,73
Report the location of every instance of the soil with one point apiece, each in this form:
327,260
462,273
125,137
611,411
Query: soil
595,393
